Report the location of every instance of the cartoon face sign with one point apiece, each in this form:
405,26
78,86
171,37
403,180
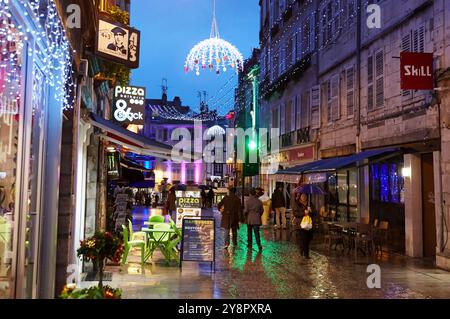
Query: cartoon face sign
113,40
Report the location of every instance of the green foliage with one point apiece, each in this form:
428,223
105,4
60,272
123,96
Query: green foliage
117,71
119,15
101,246
105,292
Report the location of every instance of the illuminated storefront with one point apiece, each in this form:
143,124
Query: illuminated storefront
34,73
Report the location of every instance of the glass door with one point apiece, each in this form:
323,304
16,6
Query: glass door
12,71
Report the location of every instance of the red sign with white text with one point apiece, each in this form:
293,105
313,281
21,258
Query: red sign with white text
416,71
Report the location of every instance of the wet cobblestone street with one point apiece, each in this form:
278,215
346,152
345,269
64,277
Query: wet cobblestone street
278,271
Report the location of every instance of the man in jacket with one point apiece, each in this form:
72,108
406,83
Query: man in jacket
253,211
279,205
231,209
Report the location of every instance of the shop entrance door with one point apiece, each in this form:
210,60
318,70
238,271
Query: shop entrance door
428,213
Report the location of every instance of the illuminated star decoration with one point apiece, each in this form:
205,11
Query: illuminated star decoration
214,53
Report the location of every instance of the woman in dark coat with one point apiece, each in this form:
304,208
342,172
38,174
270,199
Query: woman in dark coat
171,203
231,209
305,234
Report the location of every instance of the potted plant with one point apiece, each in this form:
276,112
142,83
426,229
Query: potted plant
98,249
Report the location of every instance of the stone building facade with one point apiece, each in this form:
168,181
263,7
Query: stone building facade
347,99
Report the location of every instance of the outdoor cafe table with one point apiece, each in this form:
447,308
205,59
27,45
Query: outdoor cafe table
349,229
157,241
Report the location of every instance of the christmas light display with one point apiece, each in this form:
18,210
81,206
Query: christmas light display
214,53
215,130
51,47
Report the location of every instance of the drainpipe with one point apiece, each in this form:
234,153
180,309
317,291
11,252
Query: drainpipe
358,75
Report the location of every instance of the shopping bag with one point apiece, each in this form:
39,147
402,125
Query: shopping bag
306,223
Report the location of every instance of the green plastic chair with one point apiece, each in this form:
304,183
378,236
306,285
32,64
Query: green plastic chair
156,219
139,235
172,249
129,244
159,240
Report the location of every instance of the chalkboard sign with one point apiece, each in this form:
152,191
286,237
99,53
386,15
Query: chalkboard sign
198,241
189,202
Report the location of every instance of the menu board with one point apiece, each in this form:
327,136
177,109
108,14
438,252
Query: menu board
198,240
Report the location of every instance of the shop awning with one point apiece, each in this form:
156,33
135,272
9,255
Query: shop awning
136,143
133,165
332,164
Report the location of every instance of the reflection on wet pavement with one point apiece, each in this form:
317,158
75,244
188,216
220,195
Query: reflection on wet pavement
278,271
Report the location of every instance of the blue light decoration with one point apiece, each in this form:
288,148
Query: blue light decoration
147,165
51,46
393,178
384,182
375,181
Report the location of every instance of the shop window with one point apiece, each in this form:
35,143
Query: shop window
375,181
11,82
393,180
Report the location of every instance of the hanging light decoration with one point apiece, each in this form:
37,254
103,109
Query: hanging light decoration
214,54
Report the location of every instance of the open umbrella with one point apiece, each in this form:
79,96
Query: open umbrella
309,189
205,187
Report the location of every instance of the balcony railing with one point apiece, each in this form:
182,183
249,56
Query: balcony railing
303,135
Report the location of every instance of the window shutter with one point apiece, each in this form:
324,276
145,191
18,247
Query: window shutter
305,110
370,95
329,104
406,47
379,69
335,98
288,116
282,119
350,83
298,112
419,39
315,107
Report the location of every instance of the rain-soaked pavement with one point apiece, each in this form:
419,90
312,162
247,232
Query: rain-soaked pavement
277,272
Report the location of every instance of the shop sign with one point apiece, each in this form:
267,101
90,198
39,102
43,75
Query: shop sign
189,202
198,241
118,42
297,154
316,178
416,71
129,105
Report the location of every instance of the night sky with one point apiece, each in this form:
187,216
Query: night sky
170,28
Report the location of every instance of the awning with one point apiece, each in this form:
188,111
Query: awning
136,143
332,164
133,165
143,184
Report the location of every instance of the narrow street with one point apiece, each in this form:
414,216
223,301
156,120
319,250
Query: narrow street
277,272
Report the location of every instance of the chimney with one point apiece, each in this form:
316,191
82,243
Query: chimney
164,98
177,101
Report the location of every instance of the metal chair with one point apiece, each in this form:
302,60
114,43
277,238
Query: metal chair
364,239
332,234
380,236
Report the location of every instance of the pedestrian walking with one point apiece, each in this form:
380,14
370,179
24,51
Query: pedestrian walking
253,211
171,203
306,225
210,197
231,209
279,206
203,195
155,204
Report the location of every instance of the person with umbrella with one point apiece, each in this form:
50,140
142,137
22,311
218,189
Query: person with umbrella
303,213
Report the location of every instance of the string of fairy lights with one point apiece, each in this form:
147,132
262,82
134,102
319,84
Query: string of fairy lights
345,17
51,48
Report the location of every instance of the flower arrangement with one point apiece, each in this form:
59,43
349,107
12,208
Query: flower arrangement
99,248
106,292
